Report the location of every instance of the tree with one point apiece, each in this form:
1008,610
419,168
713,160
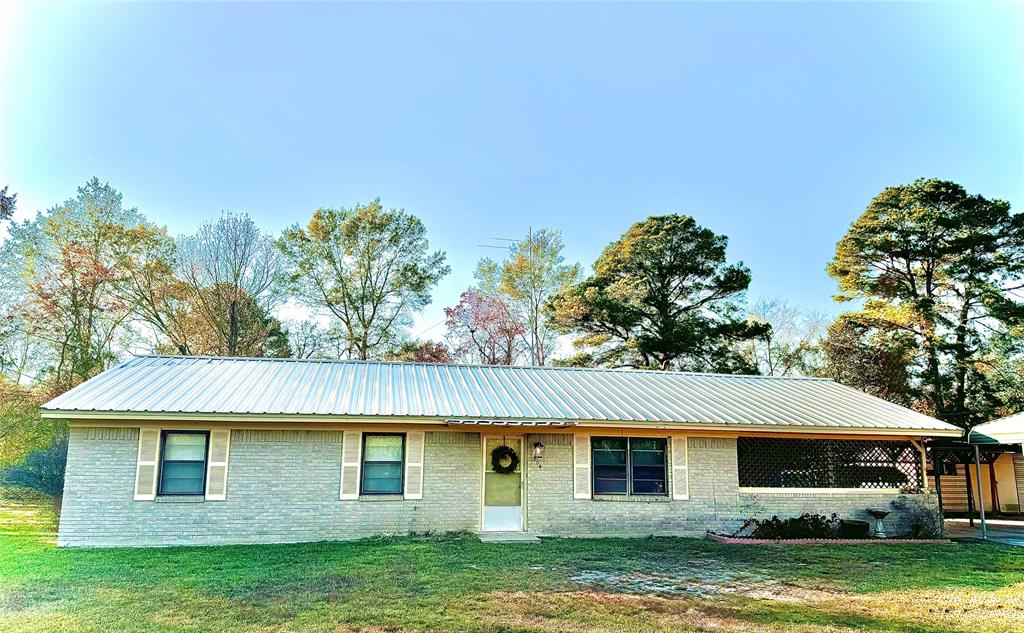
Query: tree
420,352
791,345
22,429
306,339
997,380
229,267
482,329
368,267
533,272
67,262
943,266
662,296
42,469
7,204
256,333
148,281
875,362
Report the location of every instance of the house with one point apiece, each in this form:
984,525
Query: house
192,450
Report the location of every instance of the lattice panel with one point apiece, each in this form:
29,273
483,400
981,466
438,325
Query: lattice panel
800,463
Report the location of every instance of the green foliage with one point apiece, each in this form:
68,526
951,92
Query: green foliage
42,469
943,266
661,296
449,583
67,262
369,267
8,202
22,429
876,362
532,273
420,352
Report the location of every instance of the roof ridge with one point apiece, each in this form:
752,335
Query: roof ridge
480,365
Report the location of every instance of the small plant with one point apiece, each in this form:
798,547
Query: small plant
805,526
922,520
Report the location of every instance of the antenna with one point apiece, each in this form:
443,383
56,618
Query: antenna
533,289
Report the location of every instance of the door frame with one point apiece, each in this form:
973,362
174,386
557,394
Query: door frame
485,463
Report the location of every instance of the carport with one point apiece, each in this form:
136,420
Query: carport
992,439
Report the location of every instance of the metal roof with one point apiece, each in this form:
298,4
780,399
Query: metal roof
1003,431
287,387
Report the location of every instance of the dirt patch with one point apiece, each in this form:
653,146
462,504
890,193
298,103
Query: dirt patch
666,583
593,611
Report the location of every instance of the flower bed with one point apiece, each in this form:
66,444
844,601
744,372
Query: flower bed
743,540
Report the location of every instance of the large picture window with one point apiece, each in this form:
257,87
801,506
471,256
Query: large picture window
808,463
635,466
382,463
183,463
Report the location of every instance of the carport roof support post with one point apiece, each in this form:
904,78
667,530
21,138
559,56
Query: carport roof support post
981,493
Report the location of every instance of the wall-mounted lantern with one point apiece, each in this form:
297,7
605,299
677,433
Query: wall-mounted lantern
538,453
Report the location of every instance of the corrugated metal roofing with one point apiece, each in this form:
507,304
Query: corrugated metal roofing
1008,430
202,385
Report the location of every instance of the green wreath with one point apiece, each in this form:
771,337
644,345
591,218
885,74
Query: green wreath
501,453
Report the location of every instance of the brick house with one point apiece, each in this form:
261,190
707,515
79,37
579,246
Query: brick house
192,450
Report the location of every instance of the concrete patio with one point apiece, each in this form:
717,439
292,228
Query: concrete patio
1007,531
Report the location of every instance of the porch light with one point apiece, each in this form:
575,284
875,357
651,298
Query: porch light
538,453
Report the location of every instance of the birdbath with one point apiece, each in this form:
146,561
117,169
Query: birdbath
879,526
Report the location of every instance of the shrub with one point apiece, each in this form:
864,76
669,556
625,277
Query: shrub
805,526
41,470
922,521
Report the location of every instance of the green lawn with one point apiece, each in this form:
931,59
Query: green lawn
456,583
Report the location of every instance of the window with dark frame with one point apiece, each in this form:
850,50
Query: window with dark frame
183,462
383,463
630,465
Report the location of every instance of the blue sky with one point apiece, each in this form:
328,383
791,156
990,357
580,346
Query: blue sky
772,123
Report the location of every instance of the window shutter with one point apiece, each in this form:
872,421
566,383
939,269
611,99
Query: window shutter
581,465
680,470
351,452
414,445
146,466
217,468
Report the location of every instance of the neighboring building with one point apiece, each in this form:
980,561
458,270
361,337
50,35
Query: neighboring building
1002,470
187,450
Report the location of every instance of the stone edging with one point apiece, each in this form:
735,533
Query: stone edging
739,540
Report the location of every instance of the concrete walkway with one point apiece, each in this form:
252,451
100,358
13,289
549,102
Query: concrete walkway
999,530
508,537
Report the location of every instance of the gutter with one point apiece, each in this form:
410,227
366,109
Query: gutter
155,416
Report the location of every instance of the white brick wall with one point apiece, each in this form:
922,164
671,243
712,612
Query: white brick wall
283,486
715,500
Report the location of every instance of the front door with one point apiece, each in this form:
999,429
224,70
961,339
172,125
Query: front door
503,493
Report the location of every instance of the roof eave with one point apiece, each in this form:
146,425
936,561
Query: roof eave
148,416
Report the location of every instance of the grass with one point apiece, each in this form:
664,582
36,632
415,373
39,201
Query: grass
456,583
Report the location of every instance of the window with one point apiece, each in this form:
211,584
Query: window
635,466
382,463
183,463
806,463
